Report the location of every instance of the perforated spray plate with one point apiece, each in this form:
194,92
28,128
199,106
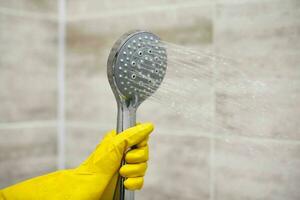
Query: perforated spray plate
140,65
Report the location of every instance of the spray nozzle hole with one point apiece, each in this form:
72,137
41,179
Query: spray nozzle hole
133,76
140,53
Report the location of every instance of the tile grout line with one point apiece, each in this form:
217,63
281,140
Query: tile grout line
61,129
28,124
177,132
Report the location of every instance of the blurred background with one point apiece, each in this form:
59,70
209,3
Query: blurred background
56,103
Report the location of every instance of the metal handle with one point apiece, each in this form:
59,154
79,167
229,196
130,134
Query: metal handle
126,119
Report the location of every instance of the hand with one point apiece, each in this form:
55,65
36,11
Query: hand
96,177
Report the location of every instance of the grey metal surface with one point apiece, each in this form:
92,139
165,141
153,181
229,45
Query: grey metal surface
135,68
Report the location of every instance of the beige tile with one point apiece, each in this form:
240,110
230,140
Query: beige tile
26,153
289,3
263,35
192,19
246,169
76,7
91,100
107,7
268,110
41,6
28,67
178,168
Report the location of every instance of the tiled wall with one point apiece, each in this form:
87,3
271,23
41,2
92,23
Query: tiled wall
28,89
236,160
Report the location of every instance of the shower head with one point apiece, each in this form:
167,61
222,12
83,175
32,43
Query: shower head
136,67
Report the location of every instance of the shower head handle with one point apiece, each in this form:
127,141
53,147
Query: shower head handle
135,68
127,107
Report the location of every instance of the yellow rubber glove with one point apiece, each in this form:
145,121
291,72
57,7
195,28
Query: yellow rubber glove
96,177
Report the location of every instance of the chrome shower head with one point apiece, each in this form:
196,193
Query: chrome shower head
136,67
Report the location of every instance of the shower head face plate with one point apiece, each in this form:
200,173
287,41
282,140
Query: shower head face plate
137,66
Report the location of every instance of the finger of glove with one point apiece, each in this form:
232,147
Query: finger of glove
143,143
133,170
134,183
134,135
139,155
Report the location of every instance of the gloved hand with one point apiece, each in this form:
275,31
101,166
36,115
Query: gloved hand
96,177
